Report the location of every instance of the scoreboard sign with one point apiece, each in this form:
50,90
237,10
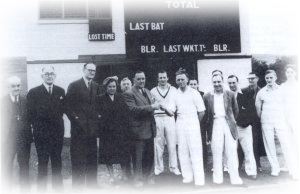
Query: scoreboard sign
181,27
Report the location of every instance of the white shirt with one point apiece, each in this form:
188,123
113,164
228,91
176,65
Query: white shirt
86,82
47,87
188,102
163,97
271,103
219,107
12,97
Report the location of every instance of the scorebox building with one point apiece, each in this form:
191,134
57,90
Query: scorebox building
122,36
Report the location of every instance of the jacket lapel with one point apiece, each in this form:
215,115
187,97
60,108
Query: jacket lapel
140,95
225,97
211,102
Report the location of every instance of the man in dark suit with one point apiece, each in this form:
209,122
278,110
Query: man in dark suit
245,141
221,112
45,104
143,129
16,135
250,93
84,117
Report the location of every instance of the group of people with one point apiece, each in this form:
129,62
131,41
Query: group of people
136,125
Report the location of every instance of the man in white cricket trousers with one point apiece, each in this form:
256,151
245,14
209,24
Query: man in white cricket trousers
221,112
270,109
190,110
165,126
244,128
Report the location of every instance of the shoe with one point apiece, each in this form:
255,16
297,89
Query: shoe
275,174
187,181
252,177
94,186
157,172
175,171
284,169
138,184
259,169
112,181
151,181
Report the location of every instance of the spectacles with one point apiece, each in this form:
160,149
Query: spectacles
49,74
91,70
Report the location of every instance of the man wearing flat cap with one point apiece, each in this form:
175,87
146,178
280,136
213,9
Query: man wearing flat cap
84,117
143,129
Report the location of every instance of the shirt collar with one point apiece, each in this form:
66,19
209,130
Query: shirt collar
275,87
12,97
86,81
47,86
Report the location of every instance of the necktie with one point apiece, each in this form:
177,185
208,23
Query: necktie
89,85
50,90
144,93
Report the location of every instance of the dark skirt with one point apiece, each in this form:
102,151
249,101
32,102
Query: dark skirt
114,148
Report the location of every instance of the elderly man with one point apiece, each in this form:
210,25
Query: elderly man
143,130
250,93
16,135
45,105
244,128
190,110
221,112
270,109
165,126
84,116
125,84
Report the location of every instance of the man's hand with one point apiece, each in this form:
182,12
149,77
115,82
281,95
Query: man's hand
168,112
156,106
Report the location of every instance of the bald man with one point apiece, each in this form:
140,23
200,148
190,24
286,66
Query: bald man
45,105
16,135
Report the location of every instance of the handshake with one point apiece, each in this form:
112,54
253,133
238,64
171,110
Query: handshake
157,106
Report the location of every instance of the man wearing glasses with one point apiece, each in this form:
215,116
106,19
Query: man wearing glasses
250,93
45,104
84,117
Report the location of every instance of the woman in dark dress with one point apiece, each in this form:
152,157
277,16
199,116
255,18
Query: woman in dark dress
114,137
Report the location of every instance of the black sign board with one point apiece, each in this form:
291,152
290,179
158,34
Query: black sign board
100,30
181,27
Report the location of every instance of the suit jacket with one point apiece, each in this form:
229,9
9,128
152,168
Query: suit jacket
81,108
250,95
231,110
243,118
14,125
142,122
45,111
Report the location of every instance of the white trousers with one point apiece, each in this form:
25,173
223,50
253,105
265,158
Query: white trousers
190,148
221,137
293,125
281,131
246,141
165,133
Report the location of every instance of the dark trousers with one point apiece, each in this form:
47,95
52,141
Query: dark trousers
11,149
204,148
49,148
84,160
143,159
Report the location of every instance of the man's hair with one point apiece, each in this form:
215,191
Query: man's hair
13,79
181,71
138,71
125,79
270,71
232,76
162,71
292,66
253,73
216,70
215,75
84,66
50,66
